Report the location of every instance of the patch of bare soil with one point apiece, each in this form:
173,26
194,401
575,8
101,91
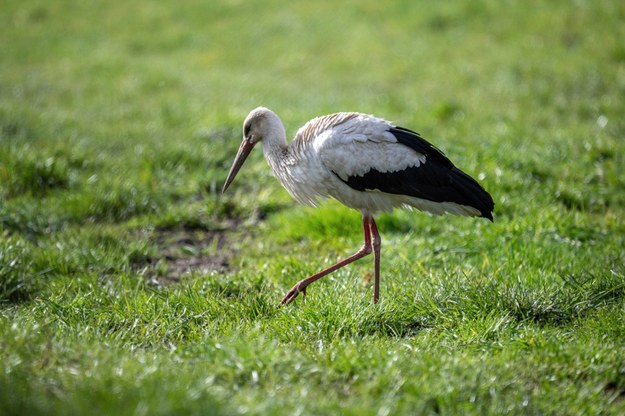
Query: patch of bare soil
613,390
181,252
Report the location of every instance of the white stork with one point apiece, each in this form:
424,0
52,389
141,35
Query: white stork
366,163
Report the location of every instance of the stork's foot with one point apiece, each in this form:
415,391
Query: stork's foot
292,294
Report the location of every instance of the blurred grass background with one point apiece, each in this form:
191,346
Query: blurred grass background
128,284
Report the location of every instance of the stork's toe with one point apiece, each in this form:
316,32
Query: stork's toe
293,293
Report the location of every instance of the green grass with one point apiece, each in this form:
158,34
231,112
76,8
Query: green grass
130,285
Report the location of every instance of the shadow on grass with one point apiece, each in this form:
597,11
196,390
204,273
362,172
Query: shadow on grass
389,324
472,310
576,297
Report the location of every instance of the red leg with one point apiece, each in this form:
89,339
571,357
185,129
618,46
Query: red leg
366,248
377,244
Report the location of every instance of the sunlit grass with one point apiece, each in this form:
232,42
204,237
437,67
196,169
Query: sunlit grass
130,285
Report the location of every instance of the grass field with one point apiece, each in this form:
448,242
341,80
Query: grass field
129,285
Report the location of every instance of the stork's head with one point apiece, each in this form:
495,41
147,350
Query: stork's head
260,124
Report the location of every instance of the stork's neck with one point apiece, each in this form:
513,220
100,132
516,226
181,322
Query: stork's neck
275,149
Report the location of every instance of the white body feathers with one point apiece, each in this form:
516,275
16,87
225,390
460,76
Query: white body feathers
328,150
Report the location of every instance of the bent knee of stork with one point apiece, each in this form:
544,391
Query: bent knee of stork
366,248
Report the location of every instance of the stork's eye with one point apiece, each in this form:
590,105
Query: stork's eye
246,130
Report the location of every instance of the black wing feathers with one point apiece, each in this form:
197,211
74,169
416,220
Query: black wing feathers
413,140
435,180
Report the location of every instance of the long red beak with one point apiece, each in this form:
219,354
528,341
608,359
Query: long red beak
242,154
